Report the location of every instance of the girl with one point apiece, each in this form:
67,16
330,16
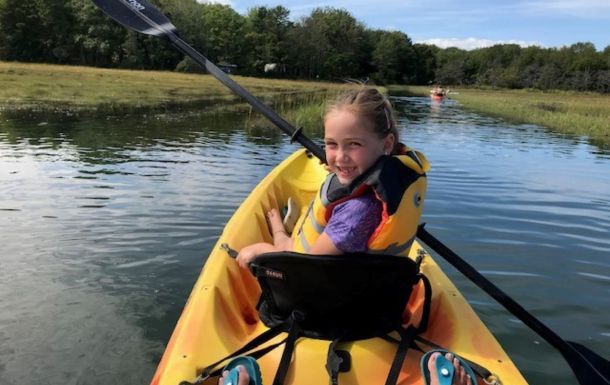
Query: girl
370,202
359,130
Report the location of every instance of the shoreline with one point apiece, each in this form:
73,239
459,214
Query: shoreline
572,113
67,92
73,90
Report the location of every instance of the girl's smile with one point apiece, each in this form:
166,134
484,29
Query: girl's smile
352,147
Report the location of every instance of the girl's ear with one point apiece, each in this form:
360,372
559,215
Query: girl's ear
388,144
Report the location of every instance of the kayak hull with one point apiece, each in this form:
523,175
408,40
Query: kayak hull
220,315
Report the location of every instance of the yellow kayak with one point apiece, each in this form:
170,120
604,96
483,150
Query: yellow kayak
220,315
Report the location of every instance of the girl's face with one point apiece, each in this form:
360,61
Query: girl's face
352,146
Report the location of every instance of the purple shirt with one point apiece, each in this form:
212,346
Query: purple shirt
353,222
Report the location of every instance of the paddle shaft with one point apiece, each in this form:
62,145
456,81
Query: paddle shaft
295,134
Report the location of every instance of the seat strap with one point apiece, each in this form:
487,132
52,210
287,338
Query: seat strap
337,361
480,370
406,338
293,334
423,323
212,370
408,334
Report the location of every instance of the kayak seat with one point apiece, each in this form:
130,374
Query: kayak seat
348,296
337,298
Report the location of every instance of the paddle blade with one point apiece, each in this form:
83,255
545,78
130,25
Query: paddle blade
138,15
591,368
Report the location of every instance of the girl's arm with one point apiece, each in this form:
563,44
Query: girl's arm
324,245
281,241
249,253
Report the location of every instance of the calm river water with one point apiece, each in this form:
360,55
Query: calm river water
105,225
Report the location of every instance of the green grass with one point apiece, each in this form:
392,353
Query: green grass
55,88
574,113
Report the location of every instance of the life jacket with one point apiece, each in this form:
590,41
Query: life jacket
398,182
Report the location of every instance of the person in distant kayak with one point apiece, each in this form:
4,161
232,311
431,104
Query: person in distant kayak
373,197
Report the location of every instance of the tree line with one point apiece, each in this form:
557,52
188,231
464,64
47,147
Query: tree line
327,44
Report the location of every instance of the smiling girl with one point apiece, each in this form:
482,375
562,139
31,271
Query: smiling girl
371,201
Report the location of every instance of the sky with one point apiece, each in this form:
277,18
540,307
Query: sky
469,24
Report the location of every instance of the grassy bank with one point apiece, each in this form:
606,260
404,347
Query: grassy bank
573,113
71,89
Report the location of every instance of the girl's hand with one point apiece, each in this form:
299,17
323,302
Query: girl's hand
246,256
249,253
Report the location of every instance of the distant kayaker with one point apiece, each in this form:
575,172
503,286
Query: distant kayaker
361,207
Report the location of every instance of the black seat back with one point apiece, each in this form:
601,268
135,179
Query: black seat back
348,296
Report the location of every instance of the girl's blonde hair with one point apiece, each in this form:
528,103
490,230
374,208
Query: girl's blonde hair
369,104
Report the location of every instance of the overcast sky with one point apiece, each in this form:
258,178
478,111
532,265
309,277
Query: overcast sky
470,23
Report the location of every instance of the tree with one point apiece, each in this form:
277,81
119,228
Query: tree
394,58
59,23
330,44
22,31
451,66
98,40
425,63
222,31
266,35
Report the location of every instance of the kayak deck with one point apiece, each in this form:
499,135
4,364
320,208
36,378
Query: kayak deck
220,315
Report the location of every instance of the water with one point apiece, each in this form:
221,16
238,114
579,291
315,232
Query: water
105,224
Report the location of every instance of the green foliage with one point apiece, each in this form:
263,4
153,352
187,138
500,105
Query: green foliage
394,58
329,43
222,31
424,63
22,30
266,35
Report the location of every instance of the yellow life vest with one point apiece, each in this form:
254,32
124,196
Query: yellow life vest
398,181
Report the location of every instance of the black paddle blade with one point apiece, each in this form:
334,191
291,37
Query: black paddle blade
589,367
138,15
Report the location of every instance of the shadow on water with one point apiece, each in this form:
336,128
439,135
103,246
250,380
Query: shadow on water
105,225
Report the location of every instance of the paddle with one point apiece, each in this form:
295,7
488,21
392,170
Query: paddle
141,16
589,367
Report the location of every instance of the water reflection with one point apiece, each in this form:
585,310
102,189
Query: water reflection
105,224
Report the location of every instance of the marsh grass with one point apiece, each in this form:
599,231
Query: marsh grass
72,89
568,112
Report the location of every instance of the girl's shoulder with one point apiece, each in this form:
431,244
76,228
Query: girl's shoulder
362,204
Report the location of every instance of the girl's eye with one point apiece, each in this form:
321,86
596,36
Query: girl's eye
355,144
330,145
